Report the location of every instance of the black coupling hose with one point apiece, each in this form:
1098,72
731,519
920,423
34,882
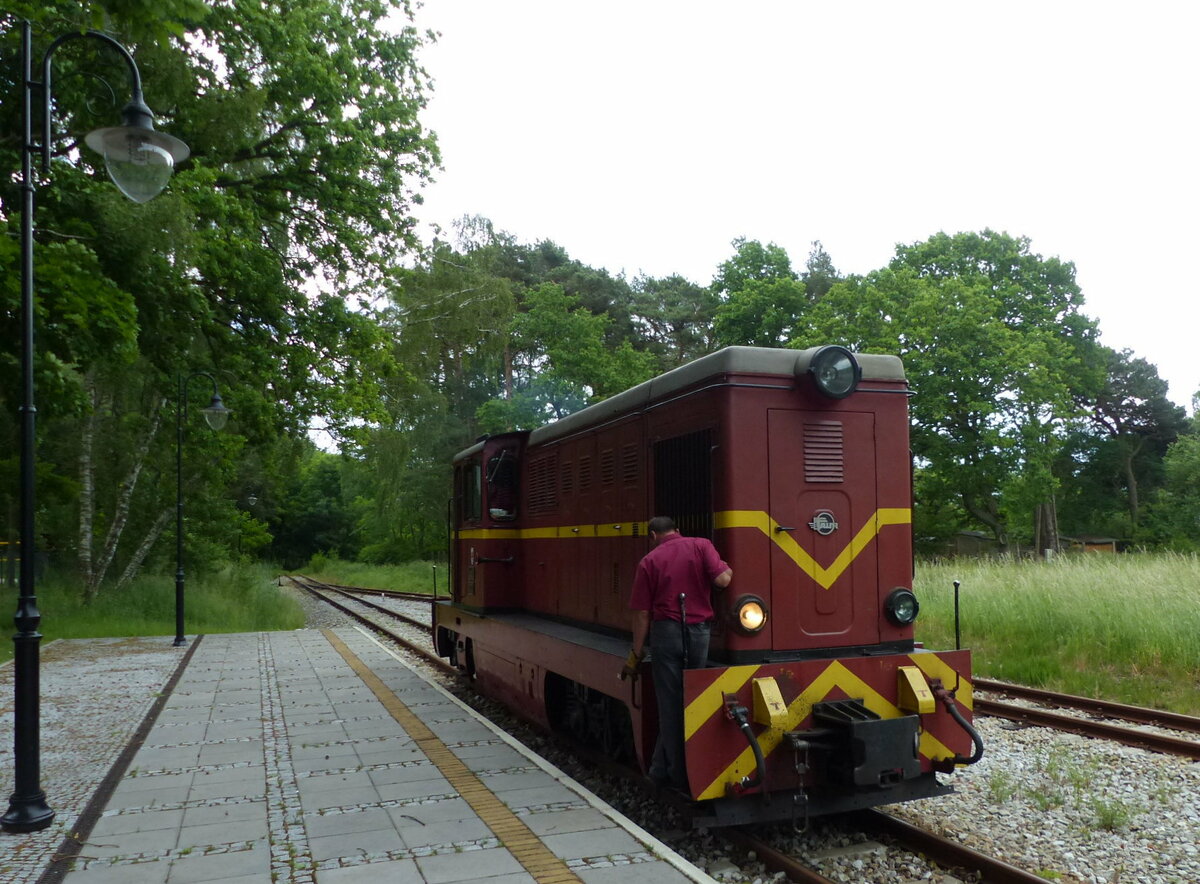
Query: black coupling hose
952,708
760,764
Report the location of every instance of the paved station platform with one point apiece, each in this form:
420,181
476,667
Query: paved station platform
307,756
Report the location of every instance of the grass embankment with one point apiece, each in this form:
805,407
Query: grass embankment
241,598
409,577
1118,627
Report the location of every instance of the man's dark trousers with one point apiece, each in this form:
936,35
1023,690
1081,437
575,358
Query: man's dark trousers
666,656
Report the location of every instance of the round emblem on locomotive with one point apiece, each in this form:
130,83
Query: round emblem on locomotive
823,523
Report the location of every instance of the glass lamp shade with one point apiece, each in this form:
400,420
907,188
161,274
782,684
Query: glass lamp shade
216,415
139,160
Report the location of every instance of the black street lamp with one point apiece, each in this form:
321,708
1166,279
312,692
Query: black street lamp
216,414
140,161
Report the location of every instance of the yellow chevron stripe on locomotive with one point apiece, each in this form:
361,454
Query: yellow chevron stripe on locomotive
824,575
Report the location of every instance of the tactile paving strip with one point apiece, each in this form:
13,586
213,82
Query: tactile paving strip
528,849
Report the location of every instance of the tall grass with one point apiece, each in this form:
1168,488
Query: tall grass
241,598
1122,627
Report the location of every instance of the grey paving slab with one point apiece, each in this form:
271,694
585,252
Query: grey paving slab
399,871
224,813
138,822
356,844
448,809
453,832
556,793
198,866
320,825
576,819
597,842
474,865
153,872
636,873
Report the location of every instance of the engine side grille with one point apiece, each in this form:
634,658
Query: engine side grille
824,454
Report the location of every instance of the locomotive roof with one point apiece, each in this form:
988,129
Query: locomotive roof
731,360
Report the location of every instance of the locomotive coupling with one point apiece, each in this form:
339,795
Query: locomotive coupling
946,697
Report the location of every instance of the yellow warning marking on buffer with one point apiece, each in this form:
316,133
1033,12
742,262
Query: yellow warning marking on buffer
835,675
935,667
824,576
712,698
528,849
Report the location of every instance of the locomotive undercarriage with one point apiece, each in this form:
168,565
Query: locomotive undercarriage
590,717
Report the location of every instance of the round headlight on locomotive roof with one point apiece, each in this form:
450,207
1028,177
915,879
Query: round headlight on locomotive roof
750,614
901,606
835,371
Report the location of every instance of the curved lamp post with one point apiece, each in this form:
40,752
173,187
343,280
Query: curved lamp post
140,161
216,414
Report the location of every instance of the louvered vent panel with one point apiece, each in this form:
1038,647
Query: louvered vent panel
543,475
608,467
568,477
824,454
585,473
629,464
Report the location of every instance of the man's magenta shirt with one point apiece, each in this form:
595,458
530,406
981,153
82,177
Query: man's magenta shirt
678,564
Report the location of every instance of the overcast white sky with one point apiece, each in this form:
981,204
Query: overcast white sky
645,136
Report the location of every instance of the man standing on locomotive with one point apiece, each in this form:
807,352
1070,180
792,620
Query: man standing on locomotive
672,605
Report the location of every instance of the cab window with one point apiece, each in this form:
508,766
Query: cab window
502,485
470,501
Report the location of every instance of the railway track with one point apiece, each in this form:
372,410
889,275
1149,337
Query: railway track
336,597
379,593
1090,726
901,835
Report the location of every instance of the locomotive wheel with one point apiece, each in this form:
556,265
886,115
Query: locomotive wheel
464,662
576,715
617,737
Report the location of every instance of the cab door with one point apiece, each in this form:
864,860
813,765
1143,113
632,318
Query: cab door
823,500
468,516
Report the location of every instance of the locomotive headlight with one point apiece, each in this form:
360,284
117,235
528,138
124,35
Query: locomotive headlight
901,607
835,371
750,614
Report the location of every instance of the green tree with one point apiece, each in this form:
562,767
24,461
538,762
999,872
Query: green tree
565,362
674,317
259,262
1139,422
819,273
313,515
996,349
751,261
760,296
1174,514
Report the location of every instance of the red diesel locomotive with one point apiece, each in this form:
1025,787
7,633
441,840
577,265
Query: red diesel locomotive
815,699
